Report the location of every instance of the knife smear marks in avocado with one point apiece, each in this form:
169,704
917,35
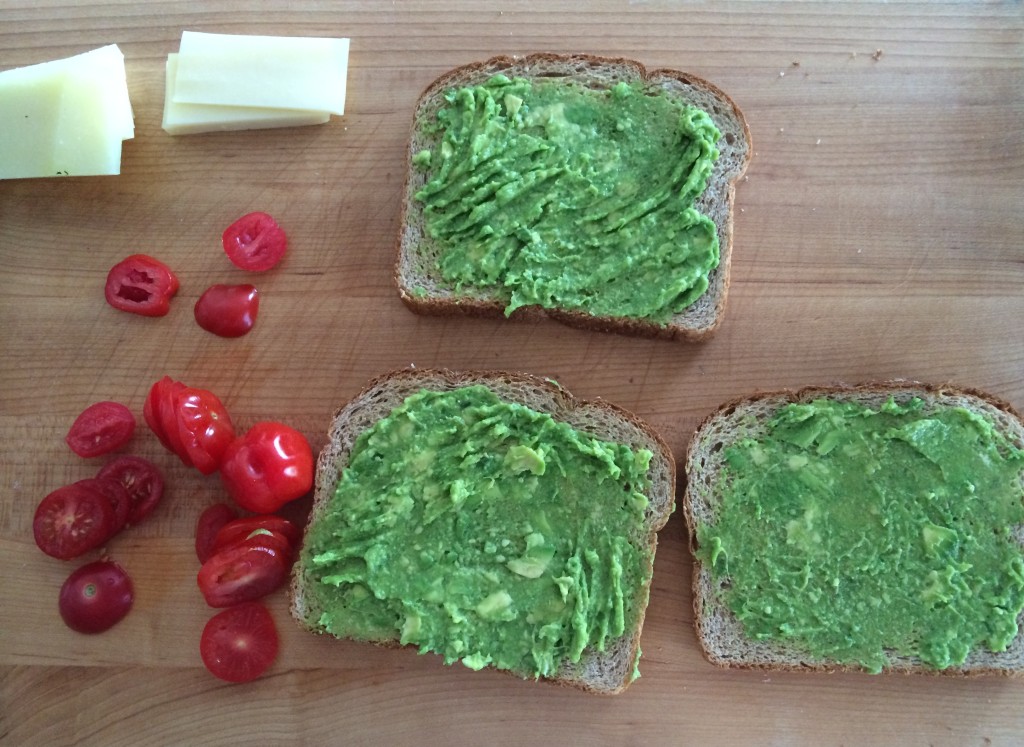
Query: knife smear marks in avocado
572,197
852,532
483,531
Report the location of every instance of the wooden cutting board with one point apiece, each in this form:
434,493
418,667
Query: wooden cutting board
878,235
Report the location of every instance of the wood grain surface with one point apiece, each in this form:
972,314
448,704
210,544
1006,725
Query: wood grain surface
878,235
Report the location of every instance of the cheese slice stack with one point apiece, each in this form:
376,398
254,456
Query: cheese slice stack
221,82
65,117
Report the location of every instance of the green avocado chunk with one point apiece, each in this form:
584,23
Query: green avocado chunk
568,196
852,533
483,531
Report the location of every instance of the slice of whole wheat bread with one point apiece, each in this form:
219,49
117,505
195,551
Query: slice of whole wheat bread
609,671
423,289
719,633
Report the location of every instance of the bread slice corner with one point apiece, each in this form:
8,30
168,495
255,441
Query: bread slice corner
420,284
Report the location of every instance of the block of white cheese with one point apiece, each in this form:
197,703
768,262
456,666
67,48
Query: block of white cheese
65,117
270,72
190,119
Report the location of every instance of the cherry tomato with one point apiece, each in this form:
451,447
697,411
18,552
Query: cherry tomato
255,242
240,643
228,310
268,466
209,524
243,572
141,479
240,529
120,500
141,285
159,413
204,427
72,520
96,597
100,429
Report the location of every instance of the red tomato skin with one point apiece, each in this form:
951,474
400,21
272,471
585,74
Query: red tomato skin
204,427
267,467
141,479
209,524
159,413
239,529
228,310
255,242
72,520
96,597
240,643
141,285
244,572
101,428
117,494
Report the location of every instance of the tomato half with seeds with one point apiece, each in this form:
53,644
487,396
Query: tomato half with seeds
141,479
72,520
204,427
268,466
142,285
255,242
240,643
117,494
101,428
228,310
209,524
243,572
96,597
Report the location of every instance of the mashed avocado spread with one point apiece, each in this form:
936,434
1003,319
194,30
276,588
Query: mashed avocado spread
850,533
483,531
573,197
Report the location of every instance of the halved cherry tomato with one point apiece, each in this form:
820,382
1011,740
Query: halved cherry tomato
209,524
141,285
100,429
240,643
255,242
204,427
243,572
228,310
141,479
96,597
117,494
72,520
238,530
268,466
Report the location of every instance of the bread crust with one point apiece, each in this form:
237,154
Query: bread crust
696,323
719,633
608,672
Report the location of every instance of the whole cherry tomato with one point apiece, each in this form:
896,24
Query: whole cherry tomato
240,643
101,428
96,597
72,520
255,242
228,310
268,466
142,285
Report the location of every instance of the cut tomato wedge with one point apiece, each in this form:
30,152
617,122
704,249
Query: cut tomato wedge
101,428
255,242
243,572
142,481
204,427
210,522
142,285
240,529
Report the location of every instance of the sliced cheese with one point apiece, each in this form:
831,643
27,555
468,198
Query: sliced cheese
270,72
65,117
191,119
